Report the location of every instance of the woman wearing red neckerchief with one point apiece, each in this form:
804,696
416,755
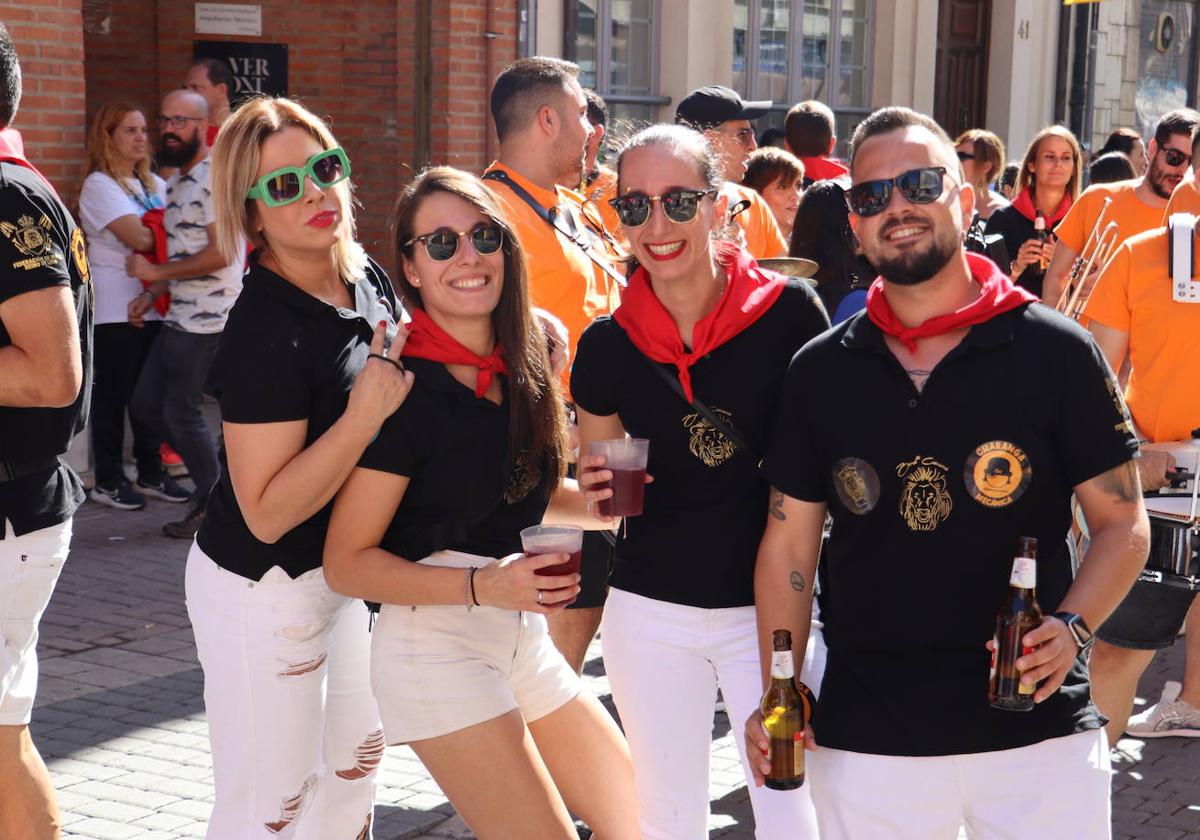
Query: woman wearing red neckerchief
1048,183
680,617
462,663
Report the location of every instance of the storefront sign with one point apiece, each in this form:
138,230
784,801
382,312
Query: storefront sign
228,19
254,68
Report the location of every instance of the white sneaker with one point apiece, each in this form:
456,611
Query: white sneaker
1169,717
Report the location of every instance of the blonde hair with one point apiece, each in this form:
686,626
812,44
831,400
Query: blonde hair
1025,177
102,149
235,161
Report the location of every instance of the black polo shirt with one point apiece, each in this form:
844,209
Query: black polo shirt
705,511
467,491
40,247
929,493
285,355
1017,229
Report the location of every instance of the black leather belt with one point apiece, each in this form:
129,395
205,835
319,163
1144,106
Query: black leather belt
12,470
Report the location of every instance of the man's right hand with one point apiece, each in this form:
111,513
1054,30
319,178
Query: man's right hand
138,307
1153,467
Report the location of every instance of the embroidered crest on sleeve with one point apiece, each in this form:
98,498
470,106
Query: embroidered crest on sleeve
31,239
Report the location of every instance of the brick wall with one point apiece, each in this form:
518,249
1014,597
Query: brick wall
49,39
354,63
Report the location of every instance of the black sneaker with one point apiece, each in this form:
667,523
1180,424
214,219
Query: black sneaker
121,497
187,527
166,488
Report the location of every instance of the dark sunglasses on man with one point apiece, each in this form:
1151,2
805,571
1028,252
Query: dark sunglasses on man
1173,157
918,186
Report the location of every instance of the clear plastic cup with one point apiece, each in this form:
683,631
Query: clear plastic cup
626,458
554,539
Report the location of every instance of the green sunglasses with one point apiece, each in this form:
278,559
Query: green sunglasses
285,185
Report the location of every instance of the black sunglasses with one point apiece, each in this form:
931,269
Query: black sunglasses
965,156
918,186
1173,157
442,244
680,206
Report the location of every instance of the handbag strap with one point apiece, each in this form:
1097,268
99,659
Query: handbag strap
577,235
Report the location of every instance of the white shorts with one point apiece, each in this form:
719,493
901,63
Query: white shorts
29,569
436,670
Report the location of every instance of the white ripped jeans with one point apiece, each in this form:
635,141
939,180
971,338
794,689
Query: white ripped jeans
294,728
664,663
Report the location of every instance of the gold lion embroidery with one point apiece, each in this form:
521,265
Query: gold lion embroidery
925,500
708,443
521,481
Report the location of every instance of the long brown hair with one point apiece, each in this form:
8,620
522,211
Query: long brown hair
102,149
536,425
1025,177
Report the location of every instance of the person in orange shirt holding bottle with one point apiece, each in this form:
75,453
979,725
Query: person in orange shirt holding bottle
1137,206
724,119
540,112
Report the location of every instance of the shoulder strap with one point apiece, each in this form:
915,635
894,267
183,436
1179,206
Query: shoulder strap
1180,239
704,411
576,234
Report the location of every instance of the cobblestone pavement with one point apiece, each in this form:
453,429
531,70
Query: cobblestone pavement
120,718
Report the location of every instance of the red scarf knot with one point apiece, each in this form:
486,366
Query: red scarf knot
749,293
997,295
1023,204
426,340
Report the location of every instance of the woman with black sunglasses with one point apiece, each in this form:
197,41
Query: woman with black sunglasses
694,361
305,378
462,662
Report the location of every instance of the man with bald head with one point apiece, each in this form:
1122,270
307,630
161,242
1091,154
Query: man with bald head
203,287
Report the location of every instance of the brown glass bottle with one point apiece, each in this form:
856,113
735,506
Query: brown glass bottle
1042,236
785,710
1018,615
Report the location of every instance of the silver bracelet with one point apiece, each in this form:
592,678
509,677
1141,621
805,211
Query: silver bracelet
467,584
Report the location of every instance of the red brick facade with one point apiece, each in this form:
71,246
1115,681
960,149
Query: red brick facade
355,63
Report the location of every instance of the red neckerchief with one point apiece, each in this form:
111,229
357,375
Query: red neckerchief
1023,204
154,220
997,295
749,293
426,340
823,169
12,151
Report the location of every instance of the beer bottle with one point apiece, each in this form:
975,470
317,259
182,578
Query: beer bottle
1018,615
784,712
1043,238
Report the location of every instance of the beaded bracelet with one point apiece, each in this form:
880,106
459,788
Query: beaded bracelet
467,588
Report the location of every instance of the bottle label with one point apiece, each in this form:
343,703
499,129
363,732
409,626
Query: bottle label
798,753
781,665
1024,573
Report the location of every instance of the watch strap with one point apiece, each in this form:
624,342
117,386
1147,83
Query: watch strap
1075,623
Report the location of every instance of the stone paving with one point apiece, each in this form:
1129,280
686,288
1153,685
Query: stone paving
120,718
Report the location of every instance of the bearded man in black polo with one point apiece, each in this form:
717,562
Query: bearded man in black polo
923,536
45,383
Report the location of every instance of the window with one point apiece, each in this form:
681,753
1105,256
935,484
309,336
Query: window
825,57
614,44
526,28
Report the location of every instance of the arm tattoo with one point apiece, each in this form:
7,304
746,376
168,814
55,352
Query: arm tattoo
776,508
797,580
1122,482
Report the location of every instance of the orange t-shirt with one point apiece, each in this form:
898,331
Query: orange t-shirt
763,237
1133,295
1185,199
563,280
1131,214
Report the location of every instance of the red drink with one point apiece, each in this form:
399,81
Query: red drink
571,567
629,493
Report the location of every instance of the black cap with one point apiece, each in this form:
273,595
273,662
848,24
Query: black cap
708,107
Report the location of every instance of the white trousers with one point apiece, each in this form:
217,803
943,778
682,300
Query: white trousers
1057,788
664,662
293,726
29,570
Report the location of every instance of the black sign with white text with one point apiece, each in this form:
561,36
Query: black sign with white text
253,68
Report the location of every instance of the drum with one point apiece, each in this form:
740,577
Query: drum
1174,553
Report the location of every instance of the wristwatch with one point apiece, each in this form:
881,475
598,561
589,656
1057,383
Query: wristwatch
1078,627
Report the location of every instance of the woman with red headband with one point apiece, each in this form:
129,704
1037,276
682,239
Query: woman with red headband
694,361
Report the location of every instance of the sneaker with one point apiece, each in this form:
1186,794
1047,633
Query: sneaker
121,497
1169,717
187,527
166,488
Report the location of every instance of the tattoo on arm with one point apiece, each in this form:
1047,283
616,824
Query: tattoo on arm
776,508
1121,482
797,581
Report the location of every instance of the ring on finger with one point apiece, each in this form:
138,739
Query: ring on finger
387,359
541,592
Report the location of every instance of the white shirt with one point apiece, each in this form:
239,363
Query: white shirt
101,202
202,304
